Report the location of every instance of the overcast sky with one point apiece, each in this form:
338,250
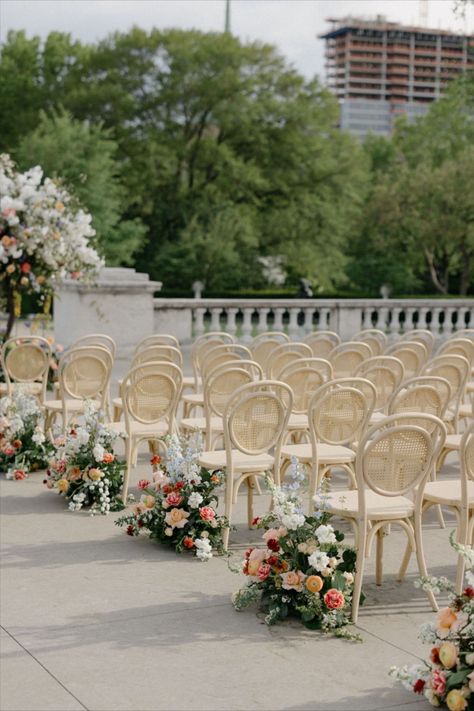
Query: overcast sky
292,25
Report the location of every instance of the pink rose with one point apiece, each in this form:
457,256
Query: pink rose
143,484
255,559
160,479
275,533
8,451
293,580
334,599
19,474
173,499
438,682
207,513
263,572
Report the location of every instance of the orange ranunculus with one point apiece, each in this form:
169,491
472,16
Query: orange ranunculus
314,583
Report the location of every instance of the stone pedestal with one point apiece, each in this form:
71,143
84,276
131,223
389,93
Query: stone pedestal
119,304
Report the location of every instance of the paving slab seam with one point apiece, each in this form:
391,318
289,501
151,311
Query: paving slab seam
391,644
44,668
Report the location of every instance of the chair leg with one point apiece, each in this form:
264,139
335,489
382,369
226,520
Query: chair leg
379,557
361,540
420,556
229,485
250,490
405,561
126,476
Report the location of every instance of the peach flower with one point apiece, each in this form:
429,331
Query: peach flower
148,501
455,700
276,533
95,474
63,485
293,580
177,518
445,620
138,508
108,458
256,558
448,655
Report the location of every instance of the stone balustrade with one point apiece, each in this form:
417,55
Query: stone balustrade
188,318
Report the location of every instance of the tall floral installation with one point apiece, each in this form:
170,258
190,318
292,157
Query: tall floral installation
45,237
23,446
304,570
84,469
447,678
177,507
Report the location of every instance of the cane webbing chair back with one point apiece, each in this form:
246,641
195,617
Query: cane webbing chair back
148,397
322,343
386,373
263,344
96,339
283,354
221,384
374,338
84,372
455,369
25,359
467,453
458,346
304,381
413,355
346,358
224,353
320,365
420,335
338,413
158,353
465,333
158,339
256,416
427,394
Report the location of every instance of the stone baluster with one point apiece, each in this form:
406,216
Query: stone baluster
199,321
232,320
278,321
366,316
423,317
215,319
448,321
394,327
308,320
435,326
463,313
262,320
293,325
324,317
382,318
409,323
247,325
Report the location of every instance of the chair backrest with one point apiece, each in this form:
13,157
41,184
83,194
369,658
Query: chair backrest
386,373
320,365
425,393
96,339
458,346
374,338
465,333
158,353
158,339
284,354
420,335
220,385
455,369
395,456
304,380
322,342
205,343
84,372
346,358
150,395
413,355
467,461
338,412
26,360
222,353
263,344
256,417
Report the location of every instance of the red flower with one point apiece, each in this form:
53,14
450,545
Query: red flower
140,523
167,489
469,591
245,567
179,485
129,530
273,560
334,599
256,521
19,474
143,483
156,459
17,443
188,542
418,686
273,545
207,513
263,571
174,499
26,268
434,655
248,552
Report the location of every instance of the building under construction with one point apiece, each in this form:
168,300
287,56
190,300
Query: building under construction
379,70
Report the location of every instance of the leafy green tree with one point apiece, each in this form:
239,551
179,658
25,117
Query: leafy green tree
83,155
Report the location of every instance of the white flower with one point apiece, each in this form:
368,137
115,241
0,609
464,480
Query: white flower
203,548
38,437
98,452
325,534
293,521
195,500
319,561
82,436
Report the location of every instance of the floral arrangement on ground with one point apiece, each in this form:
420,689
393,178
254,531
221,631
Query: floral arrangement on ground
83,467
177,507
23,446
305,570
448,676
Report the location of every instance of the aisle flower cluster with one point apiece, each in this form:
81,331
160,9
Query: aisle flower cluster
84,468
44,235
177,507
304,570
448,676
23,446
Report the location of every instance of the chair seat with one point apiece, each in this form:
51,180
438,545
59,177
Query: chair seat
71,405
470,387
452,441
242,462
377,417
189,382
158,429
346,503
327,453
199,423
448,492
31,388
193,398
298,422
465,411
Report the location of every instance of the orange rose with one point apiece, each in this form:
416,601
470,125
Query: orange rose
108,458
314,583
